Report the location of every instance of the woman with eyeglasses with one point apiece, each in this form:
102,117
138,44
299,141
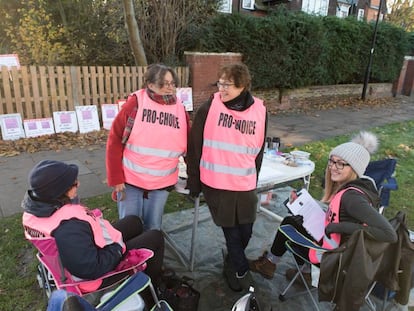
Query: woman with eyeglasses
223,162
88,245
353,203
144,145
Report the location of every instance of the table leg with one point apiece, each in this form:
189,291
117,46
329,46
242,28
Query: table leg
194,232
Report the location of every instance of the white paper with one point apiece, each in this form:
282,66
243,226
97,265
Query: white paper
120,103
109,112
185,94
313,214
11,126
38,127
65,121
88,118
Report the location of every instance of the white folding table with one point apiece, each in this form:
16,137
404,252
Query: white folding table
273,174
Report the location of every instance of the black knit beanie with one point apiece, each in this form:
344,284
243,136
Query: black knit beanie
51,179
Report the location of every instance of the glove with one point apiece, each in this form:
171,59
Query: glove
135,257
329,230
297,219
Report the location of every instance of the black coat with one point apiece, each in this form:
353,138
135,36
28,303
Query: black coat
227,208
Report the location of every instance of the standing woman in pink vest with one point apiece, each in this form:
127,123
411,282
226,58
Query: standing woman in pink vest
147,137
223,162
353,205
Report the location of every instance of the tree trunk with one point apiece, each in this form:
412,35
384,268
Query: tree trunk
133,33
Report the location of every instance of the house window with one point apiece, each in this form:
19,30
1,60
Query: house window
248,4
342,11
360,14
315,7
225,6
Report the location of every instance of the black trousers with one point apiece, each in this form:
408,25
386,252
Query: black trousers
278,247
237,238
134,237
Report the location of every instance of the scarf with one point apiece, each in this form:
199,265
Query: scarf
161,99
241,102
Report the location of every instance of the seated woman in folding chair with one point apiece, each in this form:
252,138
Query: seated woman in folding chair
353,201
88,245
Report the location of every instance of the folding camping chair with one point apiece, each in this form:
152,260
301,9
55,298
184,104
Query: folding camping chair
116,300
383,173
52,275
295,239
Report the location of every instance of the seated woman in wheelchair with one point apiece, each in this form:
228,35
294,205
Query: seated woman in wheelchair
88,245
353,201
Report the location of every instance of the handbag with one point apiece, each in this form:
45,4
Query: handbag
179,293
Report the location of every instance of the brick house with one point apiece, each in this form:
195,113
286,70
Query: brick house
362,9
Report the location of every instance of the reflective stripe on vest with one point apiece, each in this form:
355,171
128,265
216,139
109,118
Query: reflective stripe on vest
232,140
103,232
157,140
331,216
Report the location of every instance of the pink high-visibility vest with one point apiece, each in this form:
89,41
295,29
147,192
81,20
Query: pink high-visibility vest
158,138
103,232
232,140
331,216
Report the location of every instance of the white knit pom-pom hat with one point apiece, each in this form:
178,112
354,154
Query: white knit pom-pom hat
357,152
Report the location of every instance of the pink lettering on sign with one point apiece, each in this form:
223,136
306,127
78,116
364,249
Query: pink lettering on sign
65,118
87,115
110,113
45,125
11,123
32,126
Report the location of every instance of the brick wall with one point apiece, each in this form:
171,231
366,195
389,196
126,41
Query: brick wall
203,72
405,83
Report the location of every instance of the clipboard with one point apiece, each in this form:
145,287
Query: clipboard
312,212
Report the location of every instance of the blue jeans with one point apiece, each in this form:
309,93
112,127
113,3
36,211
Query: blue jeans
148,205
237,238
60,297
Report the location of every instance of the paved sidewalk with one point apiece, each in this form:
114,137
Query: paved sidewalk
292,128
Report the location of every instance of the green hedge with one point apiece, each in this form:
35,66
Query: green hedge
288,50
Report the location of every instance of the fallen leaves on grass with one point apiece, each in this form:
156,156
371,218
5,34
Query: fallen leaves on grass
56,142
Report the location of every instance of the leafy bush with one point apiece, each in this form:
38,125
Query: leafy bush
289,49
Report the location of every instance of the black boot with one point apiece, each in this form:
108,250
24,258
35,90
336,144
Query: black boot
230,275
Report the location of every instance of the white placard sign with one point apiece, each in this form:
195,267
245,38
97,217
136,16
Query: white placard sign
109,112
9,60
11,126
185,94
88,118
65,121
120,103
38,127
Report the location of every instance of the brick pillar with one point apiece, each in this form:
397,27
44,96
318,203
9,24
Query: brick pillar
404,85
408,84
203,72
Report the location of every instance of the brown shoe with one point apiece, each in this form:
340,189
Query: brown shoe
263,266
290,274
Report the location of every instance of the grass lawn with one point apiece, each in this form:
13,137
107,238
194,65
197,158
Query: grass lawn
18,285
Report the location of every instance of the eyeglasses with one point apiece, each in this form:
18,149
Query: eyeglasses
167,84
225,86
338,164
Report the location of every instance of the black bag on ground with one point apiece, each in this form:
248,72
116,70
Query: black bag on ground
179,293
